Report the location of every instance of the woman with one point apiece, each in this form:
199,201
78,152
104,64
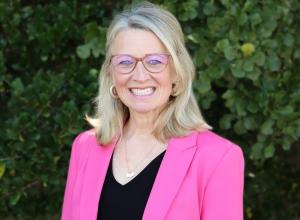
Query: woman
151,155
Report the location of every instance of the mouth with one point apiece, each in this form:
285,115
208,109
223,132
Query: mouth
142,92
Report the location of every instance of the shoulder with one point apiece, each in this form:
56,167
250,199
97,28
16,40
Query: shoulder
213,150
83,142
215,144
84,137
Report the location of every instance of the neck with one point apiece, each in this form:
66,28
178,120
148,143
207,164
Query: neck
140,124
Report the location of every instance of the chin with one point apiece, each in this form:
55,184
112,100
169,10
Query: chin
143,109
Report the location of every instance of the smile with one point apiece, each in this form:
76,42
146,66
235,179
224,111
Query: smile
142,92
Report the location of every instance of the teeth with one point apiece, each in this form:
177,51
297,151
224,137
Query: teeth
141,92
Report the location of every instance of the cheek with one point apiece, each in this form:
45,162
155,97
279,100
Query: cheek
165,79
120,81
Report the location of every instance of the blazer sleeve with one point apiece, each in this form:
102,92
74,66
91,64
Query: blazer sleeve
72,173
223,198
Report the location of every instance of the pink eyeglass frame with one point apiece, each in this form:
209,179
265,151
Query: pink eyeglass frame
138,59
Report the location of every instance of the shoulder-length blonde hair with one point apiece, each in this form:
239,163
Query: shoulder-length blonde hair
181,115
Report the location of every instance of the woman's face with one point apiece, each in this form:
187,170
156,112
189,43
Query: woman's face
141,90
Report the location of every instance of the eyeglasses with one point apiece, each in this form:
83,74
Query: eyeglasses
125,64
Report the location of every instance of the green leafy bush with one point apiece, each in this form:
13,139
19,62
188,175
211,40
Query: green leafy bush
247,55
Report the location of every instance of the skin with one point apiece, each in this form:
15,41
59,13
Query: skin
143,110
137,137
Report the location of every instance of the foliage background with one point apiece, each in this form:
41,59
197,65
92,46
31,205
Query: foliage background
247,54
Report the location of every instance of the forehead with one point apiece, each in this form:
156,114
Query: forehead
137,42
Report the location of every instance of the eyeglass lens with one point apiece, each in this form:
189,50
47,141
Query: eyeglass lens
154,63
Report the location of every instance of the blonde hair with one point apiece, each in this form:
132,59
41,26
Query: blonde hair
181,115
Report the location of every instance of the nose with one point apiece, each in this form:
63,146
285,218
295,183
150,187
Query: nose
140,73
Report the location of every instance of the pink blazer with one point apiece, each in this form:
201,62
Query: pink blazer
201,177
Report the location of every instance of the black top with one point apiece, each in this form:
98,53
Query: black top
127,202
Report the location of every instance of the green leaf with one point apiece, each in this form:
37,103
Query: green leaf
288,40
193,38
285,111
252,107
291,132
204,85
223,44
254,75
12,134
14,199
248,65
257,150
260,58
250,123
242,19
295,96
269,26
239,128
97,48
255,19
229,53
209,8
240,106
225,121
226,3
92,31
274,63
214,72
269,151
237,70
248,6
93,72
234,35
297,54
267,127
287,142
188,10
17,86
210,97
229,94
2,169
83,51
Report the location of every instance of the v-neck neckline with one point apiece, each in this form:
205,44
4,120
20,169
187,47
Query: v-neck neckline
138,175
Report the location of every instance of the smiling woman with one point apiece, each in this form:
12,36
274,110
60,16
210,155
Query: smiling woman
147,85
150,154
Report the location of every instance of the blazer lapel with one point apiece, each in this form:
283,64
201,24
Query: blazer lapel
171,173
95,171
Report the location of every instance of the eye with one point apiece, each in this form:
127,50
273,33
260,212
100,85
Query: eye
156,59
123,60
154,62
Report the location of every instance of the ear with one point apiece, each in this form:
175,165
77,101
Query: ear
174,77
174,80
